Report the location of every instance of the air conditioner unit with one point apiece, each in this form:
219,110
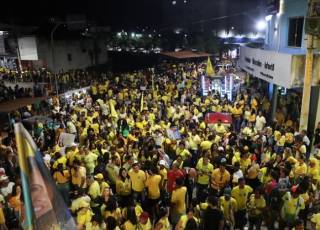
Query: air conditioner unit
312,26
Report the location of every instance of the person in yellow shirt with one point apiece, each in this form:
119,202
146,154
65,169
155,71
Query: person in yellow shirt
123,187
220,177
313,170
219,128
131,222
94,191
138,178
90,160
241,193
62,178
245,160
204,169
144,222
237,113
293,203
84,216
256,206
78,175
153,187
112,210
300,169
178,200
206,145
184,219
229,207
182,151
163,222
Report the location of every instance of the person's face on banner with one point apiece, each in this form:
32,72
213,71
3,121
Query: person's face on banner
41,199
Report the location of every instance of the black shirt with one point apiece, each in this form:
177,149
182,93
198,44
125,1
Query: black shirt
212,218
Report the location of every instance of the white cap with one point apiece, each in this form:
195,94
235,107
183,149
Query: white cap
162,162
220,148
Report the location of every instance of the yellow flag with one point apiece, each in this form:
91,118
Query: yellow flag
209,70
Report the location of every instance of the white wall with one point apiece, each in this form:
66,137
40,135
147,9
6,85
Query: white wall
78,49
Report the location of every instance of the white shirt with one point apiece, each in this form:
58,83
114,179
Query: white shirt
7,190
306,140
260,122
236,175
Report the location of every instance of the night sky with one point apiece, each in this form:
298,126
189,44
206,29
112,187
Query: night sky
137,14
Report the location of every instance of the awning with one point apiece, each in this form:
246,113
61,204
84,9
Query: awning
186,54
7,107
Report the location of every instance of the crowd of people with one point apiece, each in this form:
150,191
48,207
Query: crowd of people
43,83
144,157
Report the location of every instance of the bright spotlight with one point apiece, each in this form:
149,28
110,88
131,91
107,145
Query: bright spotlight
261,25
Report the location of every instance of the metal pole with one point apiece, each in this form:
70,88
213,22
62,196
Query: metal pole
19,63
52,55
304,115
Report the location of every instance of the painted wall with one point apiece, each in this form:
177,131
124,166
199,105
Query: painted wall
278,27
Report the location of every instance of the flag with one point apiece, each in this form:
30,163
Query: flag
209,69
113,111
141,103
44,207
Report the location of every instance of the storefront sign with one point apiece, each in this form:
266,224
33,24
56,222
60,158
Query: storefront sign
268,65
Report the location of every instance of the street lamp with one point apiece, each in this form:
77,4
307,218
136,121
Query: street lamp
52,54
261,25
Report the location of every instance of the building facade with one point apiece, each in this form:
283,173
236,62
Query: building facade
281,62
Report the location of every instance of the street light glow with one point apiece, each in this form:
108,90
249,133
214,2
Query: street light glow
261,25
268,17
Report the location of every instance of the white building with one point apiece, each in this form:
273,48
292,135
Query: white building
281,62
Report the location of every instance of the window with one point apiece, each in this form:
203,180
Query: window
295,31
69,57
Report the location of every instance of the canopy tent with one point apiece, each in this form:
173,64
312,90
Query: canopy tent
185,54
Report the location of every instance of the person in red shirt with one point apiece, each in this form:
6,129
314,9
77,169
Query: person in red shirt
173,174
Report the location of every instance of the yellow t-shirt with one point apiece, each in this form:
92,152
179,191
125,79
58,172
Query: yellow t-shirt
300,169
205,145
178,199
255,205
203,172
61,177
123,188
94,190
165,223
129,226
164,176
219,179
241,195
138,179
292,205
84,216
153,186
228,206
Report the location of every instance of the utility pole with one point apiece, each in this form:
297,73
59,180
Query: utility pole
53,56
304,115
57,24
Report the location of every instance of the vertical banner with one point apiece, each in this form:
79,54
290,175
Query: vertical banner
44,206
